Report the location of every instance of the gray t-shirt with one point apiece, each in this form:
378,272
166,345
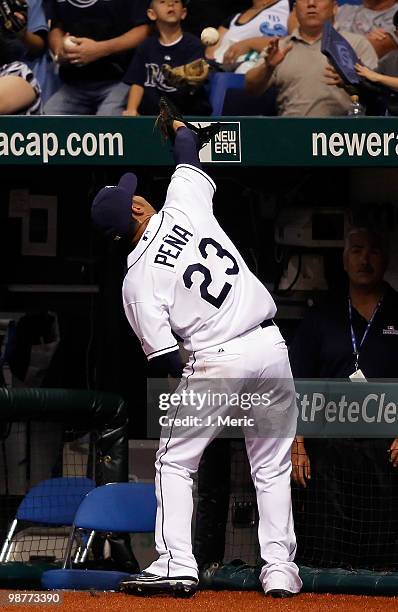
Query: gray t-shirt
301,90
362,20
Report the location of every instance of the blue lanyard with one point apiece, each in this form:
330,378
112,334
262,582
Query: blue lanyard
353,339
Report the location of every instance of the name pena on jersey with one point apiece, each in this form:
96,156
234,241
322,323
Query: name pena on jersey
172,246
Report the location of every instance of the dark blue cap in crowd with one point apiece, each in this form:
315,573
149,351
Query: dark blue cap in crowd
111,210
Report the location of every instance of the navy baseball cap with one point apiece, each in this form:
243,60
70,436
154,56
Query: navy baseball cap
111,208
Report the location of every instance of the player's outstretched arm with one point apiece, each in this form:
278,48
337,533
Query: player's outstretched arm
187,142
191,191
177,124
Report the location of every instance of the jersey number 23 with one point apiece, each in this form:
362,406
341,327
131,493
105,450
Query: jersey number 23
214,300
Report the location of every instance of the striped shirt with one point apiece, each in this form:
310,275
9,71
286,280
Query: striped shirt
19,69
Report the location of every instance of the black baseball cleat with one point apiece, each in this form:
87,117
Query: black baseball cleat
151,584
168,113
280,593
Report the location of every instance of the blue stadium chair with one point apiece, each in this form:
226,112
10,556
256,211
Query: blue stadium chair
51,502
115,507
228,96
219,83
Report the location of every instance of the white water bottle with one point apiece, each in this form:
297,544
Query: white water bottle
356,109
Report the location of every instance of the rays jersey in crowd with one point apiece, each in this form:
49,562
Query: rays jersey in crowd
145,68
186,275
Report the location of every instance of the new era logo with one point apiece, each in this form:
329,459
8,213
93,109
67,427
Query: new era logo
226,142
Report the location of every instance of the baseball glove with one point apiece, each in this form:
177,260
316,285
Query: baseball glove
13,15
193,74
168,113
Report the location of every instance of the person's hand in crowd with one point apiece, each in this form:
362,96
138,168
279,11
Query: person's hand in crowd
84,52
274,55
130,113
367,73
381,41
377,34
66,44
301,466
393,450
332,77
22,19
61,56
233,52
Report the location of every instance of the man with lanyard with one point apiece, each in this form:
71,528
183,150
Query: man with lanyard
351,484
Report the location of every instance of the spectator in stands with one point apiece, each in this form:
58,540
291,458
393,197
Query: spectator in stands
373,19
379,100
350,511
388,64
92,43
295,65
387,69
30,47
386,75
30,42
244,35
169,45
19,90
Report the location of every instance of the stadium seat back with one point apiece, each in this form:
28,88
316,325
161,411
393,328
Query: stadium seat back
220,82
123,506
52,502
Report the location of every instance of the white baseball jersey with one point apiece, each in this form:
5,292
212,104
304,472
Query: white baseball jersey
186,276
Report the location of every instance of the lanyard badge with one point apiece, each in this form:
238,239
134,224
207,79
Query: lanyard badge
355,347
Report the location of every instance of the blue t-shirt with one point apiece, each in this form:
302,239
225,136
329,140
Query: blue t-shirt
145,70
99,20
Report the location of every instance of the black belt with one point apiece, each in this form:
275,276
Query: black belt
267,323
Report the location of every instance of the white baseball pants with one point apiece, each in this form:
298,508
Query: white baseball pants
257,362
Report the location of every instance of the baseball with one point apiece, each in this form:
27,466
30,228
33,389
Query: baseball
209,36
69,42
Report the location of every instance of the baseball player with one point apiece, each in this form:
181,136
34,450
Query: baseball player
186,277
